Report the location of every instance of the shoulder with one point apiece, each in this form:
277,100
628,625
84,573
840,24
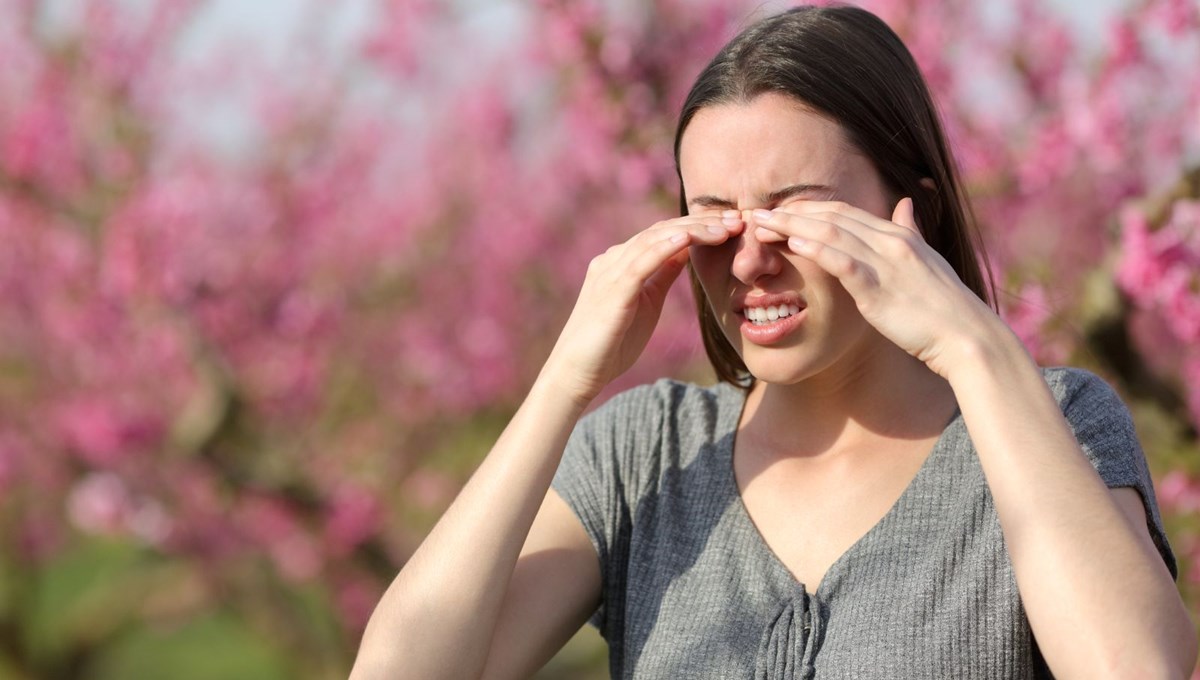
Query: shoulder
1069,385
1085,397
650,428
1102,424
667,400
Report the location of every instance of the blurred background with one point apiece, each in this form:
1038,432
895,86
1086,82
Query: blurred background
274,275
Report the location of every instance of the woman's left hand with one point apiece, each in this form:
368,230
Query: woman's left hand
902,287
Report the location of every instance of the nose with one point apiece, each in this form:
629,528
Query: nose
754,260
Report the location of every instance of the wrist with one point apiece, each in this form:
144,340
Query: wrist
557,384
994,349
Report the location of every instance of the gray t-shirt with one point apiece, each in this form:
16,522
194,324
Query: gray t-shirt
691,590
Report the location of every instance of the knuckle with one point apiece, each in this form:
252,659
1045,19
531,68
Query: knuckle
902,246
847,266
828,231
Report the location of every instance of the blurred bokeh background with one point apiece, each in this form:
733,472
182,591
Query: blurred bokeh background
274,275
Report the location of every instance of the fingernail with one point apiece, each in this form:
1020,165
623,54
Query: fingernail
796,243
762,215
730,220
714,229
678,238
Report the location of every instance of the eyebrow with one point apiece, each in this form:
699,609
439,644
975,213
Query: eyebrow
774,198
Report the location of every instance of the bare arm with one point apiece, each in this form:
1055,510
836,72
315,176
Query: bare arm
508,567
437,618
1074,543
553,590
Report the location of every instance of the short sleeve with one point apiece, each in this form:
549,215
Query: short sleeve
1104,428
602,475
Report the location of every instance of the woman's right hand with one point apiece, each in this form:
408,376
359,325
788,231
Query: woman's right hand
622,298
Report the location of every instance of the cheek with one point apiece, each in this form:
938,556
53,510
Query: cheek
711,263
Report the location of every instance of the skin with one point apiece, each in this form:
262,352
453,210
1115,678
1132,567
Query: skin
508,573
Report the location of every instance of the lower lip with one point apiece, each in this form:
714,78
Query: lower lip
773,332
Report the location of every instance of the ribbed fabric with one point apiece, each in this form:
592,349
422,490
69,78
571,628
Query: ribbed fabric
691,590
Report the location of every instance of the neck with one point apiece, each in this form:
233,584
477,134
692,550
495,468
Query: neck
887,397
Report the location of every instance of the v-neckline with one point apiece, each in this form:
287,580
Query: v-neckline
729,443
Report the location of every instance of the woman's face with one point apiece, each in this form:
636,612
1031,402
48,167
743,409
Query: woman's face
771,153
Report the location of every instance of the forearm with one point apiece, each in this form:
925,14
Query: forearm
438,616
1072,548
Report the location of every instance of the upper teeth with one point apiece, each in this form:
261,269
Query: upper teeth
769,314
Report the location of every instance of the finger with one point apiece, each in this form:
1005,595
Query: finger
660,281
729,220
628,279
702,228
856,276
850,216
828,228
707,230
905,216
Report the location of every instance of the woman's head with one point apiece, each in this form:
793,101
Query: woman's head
845,64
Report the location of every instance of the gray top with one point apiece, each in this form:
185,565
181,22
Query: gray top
691,590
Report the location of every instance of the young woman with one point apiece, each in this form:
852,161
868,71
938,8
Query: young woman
883,484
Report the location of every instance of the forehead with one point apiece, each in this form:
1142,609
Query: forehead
768,142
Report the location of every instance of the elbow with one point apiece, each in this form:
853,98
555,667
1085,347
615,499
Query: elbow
1189,651
374,659
412,637
1166,662
1169,655
382,648
1183,648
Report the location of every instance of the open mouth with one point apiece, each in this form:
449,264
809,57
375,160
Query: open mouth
761,316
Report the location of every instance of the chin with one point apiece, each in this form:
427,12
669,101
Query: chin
779,370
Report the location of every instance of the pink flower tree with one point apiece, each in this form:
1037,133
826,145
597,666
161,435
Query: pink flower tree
249,380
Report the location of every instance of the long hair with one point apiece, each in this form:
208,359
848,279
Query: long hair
847,64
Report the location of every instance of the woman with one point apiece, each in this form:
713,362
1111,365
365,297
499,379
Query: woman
883,484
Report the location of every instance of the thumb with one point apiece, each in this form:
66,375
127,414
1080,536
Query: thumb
660,281
904,216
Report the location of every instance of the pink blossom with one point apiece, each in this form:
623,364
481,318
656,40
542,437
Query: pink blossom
1160,269
1125,47
1177,16
353,517
270,523
100,503
356,599
1178,492
1027,313
1191,382
150,523
428,489
103,432
398,43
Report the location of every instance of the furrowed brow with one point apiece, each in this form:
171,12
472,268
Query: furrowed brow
823,191
708,201
781,195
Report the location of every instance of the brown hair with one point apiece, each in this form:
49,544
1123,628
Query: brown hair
847,64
